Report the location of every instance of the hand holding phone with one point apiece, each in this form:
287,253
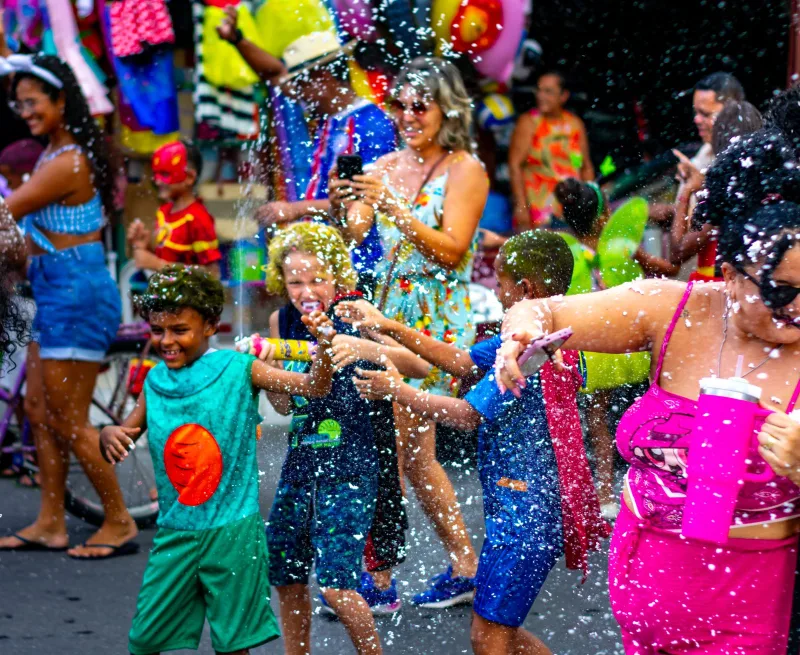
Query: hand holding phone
348,166
542,349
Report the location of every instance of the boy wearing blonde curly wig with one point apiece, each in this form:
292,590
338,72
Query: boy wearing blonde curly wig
325,501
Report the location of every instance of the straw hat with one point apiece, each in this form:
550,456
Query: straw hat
312,50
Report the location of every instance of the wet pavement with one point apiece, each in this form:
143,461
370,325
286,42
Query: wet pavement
52,604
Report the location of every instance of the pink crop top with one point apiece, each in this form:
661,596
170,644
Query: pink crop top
654,435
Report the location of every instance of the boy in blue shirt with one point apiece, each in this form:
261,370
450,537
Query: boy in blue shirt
200,408
518,466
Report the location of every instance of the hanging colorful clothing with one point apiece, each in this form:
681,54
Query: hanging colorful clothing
422,294
24,24
137,25
555,154
66,40
220,113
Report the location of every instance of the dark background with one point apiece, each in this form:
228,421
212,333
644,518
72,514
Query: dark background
618,52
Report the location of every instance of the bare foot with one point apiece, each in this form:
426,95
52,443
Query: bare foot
114,534
46,537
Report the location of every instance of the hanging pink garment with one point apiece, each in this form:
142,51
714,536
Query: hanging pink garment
139,24
65,36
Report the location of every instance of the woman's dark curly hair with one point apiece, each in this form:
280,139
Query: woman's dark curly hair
79,123
783,114
176,286
752,195
14,326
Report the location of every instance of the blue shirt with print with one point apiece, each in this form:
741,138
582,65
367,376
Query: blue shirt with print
373,135
513,440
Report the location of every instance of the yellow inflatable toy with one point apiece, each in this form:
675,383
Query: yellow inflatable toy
223,66
282,21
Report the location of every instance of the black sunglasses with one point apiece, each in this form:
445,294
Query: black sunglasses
775,296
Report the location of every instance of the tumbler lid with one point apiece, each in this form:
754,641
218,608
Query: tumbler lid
733,387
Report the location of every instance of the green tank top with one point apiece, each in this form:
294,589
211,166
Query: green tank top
202,425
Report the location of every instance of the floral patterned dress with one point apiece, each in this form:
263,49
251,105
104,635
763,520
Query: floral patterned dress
422,294
555,154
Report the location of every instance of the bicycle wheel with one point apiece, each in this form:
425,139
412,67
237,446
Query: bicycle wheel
111,403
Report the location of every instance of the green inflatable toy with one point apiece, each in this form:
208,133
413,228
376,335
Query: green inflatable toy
618,242
582,269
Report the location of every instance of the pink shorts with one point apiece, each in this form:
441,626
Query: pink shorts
671,595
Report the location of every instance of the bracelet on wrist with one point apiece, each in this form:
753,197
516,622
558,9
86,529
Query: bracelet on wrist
238,37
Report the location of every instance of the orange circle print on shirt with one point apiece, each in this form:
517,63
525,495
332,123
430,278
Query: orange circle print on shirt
194,463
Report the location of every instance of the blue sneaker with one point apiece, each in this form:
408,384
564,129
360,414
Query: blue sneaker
446,591
381,603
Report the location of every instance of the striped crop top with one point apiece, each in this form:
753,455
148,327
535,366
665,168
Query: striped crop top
64,219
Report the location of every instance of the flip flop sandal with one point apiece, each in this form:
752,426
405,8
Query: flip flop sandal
31,481
9,473
28,545
128,548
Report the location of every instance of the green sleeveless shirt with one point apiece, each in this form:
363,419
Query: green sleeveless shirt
202,423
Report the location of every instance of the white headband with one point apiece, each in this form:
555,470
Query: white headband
24,64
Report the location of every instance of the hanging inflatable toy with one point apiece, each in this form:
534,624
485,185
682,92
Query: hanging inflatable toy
369,84
223,66
495,110
489,31
280,22
356,19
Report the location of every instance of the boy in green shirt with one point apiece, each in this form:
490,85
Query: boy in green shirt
200,407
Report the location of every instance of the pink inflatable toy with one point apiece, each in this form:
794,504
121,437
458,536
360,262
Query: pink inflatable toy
488,30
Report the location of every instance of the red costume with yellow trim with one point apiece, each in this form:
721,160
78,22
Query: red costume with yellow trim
187,236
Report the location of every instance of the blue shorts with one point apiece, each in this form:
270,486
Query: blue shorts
328,519
523,543
78,307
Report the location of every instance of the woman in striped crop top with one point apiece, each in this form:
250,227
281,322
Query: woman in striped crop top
670,593
78,308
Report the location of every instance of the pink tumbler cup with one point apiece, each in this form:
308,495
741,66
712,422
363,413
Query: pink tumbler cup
719,453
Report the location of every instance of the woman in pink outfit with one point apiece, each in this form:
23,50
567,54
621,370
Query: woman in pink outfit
672,594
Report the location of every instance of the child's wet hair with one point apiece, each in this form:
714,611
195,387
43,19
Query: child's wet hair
176,287
542,257
317,239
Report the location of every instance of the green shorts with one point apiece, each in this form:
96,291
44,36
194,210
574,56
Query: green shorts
221,574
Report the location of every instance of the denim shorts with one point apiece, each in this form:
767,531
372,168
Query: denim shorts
327,521
78,306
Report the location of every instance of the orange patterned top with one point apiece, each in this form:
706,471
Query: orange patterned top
555,154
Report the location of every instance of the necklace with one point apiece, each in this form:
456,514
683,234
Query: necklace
722,345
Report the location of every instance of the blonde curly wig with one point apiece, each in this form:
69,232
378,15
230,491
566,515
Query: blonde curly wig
315,239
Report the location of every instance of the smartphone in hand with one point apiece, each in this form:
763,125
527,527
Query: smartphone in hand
542,349
348,166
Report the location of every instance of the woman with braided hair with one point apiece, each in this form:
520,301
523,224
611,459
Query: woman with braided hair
63,207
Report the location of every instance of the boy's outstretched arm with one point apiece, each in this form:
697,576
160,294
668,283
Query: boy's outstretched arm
347,350
116,441
389,385
316,383
443,356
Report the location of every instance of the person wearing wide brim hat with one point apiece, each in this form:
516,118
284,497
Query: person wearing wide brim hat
313,51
